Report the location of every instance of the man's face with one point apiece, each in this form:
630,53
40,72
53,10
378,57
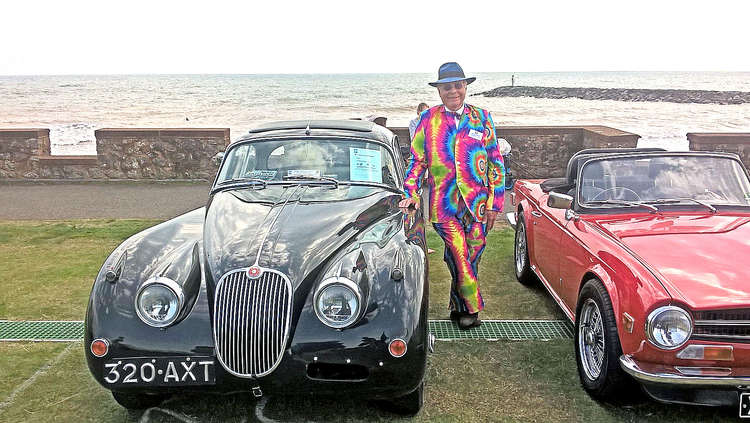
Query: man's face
452,94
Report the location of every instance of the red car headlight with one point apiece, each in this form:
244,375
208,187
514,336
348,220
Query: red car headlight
669,327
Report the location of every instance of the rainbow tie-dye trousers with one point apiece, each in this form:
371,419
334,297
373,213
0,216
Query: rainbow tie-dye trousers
464,240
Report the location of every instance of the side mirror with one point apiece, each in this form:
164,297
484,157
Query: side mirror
217,158
559,201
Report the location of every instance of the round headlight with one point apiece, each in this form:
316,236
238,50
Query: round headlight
669,327
337,302
159,301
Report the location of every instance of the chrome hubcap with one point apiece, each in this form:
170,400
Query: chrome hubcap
591,339
520,249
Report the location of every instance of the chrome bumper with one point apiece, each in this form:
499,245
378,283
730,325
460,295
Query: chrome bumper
631,367
511,218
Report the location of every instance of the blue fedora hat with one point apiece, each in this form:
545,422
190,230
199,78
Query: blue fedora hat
450,72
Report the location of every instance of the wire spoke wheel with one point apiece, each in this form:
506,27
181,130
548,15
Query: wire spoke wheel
521,250
591,341
524,274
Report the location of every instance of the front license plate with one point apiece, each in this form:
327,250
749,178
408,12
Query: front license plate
745,405
160,371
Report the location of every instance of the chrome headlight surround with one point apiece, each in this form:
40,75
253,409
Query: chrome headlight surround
656,322
338,282
173,287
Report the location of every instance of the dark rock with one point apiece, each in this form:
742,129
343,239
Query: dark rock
624,94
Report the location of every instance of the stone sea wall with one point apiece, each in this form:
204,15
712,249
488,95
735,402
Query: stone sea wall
738,143
20,150
623,94
544,151
183,154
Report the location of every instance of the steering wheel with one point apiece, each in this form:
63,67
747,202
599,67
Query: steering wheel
623,193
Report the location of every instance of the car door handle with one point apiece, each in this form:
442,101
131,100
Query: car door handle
536,213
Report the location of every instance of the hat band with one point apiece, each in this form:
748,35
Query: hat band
453,74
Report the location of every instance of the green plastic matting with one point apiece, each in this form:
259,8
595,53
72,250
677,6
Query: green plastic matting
444,330
47,330
514,330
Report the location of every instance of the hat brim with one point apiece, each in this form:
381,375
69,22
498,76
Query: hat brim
452,79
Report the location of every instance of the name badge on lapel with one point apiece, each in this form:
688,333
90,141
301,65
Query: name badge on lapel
475,134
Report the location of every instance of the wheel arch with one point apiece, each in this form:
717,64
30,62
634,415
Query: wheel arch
599,273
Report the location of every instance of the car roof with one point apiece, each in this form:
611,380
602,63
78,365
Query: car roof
301,128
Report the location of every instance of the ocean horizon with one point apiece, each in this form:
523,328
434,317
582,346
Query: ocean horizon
74,106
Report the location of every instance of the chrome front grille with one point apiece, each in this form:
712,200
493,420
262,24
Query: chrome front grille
252,317
722,325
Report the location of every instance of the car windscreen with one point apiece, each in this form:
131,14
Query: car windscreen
278,160
666,179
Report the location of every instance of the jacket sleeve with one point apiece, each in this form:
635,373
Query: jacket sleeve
416,165
495,168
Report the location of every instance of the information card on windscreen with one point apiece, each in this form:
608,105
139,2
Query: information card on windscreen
364,165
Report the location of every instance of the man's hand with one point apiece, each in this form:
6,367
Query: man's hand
407,205
491,216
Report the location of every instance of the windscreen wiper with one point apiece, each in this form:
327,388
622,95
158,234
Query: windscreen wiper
652,208
262,182
679,200
312,178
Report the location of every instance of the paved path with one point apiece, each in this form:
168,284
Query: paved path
103,200
99,200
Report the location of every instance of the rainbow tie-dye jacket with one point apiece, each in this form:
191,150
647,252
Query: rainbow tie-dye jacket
463,162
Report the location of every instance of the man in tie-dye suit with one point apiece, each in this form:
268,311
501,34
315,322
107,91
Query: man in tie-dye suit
456,142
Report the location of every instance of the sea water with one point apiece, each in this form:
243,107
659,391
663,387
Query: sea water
73,106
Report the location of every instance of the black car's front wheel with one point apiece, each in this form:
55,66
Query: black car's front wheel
137,401
597,344
524,274
409,404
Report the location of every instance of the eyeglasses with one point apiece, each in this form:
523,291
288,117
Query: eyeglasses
447,86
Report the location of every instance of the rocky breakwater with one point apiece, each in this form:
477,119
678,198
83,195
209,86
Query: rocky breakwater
624,94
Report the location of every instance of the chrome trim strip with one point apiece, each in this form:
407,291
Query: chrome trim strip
270,227
722,322
631,367
701,335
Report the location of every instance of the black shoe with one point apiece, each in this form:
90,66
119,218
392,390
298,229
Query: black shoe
455,315
468,321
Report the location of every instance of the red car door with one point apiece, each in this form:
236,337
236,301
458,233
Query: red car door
546,229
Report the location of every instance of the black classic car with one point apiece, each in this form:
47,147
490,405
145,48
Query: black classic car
301,275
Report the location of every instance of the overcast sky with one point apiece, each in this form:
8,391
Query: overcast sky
278,36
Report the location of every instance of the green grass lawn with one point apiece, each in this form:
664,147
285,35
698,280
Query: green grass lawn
467,381
52,266
504,297
48,269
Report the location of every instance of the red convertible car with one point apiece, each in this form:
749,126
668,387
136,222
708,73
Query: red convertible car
647,254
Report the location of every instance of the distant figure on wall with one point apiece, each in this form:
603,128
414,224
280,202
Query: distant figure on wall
414,122
512,80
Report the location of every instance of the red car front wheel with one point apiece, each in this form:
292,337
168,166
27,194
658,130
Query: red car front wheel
597,344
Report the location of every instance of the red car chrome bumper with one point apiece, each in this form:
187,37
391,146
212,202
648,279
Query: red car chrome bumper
683,376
